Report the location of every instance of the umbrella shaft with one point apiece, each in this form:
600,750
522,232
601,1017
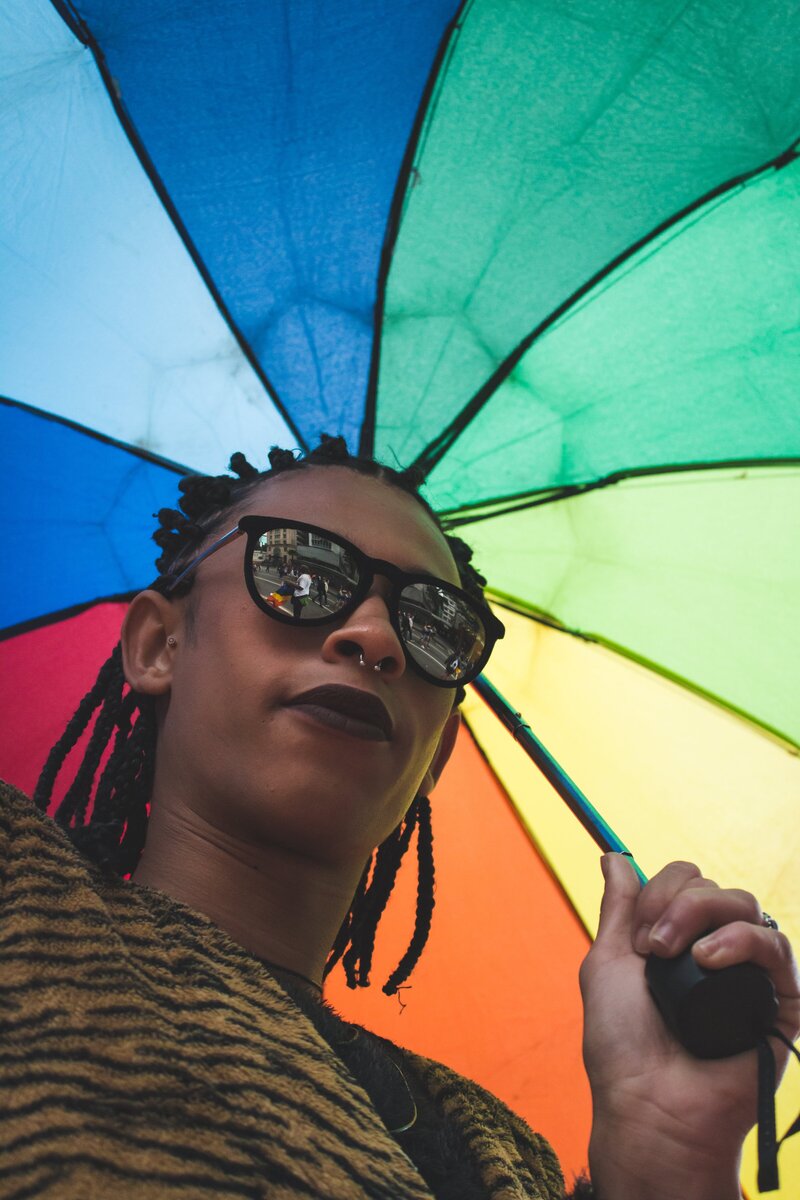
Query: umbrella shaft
594,824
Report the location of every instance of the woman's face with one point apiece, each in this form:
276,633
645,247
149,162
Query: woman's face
236,742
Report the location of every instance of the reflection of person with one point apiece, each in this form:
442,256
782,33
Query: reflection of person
198,982
322,589
301,593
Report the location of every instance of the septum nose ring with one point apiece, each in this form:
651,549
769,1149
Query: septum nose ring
362,663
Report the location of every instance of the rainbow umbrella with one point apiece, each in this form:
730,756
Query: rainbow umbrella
547,252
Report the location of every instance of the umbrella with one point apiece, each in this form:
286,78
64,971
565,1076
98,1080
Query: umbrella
548,253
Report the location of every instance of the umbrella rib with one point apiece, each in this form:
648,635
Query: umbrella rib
83,33
514,604
158,460
439,446
63,614
446,45
470,514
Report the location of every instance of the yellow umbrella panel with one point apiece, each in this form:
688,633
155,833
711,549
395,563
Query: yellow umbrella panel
677,777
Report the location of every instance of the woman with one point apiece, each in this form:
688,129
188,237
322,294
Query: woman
167,1035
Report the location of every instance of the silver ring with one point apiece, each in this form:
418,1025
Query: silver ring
769,921
362,662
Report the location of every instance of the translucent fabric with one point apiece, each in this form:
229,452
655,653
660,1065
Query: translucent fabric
544,252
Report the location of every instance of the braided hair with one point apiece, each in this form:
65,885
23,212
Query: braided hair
118,764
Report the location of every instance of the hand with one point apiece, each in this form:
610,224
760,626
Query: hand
667,1125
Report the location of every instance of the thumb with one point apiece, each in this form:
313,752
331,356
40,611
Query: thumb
619,902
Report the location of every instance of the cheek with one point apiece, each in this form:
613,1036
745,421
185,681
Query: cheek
223,679
432,714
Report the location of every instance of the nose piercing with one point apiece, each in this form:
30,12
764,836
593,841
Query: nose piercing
362,663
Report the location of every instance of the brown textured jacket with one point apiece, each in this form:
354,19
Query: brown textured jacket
144,1054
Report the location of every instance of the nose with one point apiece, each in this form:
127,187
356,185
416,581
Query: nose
368,635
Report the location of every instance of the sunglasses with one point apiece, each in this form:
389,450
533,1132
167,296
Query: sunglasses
301,574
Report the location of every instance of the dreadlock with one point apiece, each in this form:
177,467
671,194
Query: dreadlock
110,829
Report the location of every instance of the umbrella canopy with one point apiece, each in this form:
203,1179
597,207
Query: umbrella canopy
548,253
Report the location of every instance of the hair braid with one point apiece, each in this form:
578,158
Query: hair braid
426,883
115,837
360,928
131,797
93,699
114,834
388,858
115,767
72,809
342,939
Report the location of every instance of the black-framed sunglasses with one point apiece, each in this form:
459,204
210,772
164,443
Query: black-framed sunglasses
301,574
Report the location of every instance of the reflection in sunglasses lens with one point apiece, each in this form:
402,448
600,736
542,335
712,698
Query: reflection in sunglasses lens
443,634
303,575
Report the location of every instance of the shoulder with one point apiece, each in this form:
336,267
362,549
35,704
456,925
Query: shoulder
33,847
497,1136
18,813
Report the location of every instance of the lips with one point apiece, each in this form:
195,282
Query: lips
349,709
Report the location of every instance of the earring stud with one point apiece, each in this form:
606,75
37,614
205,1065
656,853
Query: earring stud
171,641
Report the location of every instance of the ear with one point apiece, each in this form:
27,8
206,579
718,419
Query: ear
147,656
447,743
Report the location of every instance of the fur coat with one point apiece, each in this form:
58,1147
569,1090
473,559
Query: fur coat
146,1055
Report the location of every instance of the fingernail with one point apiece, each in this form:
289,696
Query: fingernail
606,863
709,946
663,933
641,941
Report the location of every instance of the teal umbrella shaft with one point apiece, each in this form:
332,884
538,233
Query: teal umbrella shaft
591,820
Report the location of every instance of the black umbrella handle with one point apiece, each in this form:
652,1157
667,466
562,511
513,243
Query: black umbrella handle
714,1014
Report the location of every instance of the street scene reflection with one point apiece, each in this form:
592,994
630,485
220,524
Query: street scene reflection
303,575
440,632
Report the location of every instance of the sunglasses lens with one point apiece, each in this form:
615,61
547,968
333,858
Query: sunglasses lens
443,634
304,576
301,575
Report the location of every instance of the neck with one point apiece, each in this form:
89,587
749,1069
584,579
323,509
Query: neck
280,906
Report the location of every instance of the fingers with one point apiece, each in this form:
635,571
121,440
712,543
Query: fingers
679,905
741,941
658,895
617,910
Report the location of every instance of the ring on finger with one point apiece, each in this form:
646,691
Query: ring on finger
769,921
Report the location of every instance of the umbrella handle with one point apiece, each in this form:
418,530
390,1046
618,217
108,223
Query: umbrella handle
714,1014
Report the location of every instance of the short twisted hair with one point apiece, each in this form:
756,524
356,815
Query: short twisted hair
110,826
